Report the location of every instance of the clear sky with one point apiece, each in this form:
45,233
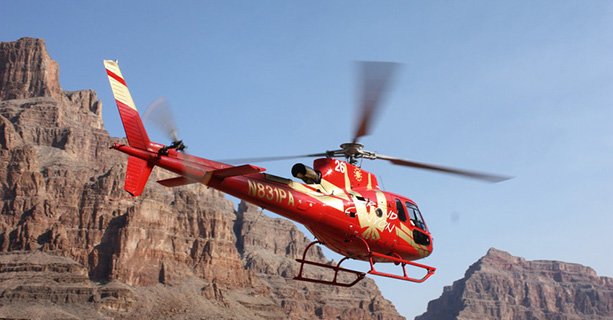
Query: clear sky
523,88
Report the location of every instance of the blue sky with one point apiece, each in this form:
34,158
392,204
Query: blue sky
523,88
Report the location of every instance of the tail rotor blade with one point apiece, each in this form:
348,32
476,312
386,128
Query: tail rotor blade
159,114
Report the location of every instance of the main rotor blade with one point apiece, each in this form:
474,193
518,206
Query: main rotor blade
159,114
460,172
376,78
274,158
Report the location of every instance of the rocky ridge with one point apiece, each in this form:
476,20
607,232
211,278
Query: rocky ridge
74,243
501,286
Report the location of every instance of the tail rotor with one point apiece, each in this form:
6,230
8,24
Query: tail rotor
159,113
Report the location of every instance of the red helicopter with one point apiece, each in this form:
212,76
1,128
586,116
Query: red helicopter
341,204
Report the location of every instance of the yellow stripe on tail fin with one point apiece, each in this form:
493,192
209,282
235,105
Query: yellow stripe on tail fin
132,123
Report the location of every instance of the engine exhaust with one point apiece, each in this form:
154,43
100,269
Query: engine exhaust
306,174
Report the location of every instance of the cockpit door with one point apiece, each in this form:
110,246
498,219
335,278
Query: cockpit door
420,235
415,216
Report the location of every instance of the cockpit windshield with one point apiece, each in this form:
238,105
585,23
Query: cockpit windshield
415,216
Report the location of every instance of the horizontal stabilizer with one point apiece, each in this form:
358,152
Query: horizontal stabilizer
219,173
176,182
236,171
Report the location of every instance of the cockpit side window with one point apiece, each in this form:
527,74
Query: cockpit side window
401,213
415,216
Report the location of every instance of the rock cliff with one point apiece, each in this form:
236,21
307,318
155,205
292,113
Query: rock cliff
73,244
27,70
501,286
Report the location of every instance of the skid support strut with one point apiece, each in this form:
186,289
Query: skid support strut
358,275
373,257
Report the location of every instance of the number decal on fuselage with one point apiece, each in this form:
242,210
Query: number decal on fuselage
340,166
270,193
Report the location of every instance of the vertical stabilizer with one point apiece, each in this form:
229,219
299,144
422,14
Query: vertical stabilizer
132,123
137,175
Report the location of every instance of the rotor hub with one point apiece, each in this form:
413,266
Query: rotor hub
353,151
352,148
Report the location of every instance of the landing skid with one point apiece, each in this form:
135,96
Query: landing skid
360,275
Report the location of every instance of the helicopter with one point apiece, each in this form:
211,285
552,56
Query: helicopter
340,203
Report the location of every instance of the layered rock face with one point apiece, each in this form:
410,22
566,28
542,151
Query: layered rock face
27,70
43,286
97,252
501,286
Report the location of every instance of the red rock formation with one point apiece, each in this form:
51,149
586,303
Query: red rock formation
43,286
501,286
27,71
174,249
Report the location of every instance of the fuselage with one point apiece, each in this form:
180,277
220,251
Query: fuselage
345,204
